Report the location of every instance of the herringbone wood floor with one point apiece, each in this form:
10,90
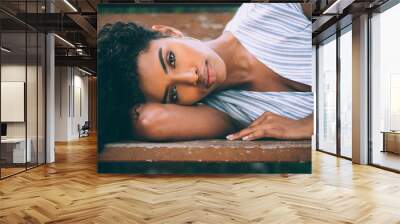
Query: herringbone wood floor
70,191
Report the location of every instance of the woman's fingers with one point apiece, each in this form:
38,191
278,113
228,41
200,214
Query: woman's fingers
249,134
260,128
241,134
257,134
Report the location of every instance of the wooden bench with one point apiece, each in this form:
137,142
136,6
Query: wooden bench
202,152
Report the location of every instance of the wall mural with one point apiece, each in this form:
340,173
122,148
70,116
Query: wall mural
204,88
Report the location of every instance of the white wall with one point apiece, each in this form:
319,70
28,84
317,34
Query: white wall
9,73
70,83
314,90
79,117
61,103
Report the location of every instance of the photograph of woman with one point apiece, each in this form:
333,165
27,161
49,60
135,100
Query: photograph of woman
251,82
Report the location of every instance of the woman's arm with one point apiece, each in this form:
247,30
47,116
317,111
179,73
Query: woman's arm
271,125
175,122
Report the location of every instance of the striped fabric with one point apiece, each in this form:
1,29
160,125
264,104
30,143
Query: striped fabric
278,35
246,106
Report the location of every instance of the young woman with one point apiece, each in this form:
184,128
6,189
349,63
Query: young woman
252,82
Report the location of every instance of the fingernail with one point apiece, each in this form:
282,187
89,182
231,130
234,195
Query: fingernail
245,138
229,137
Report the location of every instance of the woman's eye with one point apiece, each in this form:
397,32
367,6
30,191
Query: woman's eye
174,94
171,59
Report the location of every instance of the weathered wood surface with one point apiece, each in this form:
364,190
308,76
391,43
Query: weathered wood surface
209,151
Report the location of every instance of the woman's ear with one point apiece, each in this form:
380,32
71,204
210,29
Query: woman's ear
168,30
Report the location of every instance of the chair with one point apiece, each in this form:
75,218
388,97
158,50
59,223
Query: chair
84,130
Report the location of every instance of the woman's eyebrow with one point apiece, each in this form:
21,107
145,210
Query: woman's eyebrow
162,61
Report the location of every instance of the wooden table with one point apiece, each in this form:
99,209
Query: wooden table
13,150
391,141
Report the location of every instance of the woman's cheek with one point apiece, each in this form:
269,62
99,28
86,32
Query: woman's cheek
189,96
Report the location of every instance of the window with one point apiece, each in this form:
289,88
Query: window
346,92
327,95
385,88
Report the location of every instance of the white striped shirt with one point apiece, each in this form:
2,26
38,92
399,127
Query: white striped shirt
246,106
279,36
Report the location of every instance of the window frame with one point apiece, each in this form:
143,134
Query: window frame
347,27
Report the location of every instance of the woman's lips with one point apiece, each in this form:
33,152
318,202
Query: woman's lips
210,75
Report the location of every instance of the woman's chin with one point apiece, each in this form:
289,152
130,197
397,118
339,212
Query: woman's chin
220,79
215,85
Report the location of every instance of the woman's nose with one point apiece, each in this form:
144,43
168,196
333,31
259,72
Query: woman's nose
188,77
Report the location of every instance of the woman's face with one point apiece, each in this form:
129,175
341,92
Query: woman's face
179,70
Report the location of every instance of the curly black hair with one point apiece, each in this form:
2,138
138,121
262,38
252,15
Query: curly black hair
118,47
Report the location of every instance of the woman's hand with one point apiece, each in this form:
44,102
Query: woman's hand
275,126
